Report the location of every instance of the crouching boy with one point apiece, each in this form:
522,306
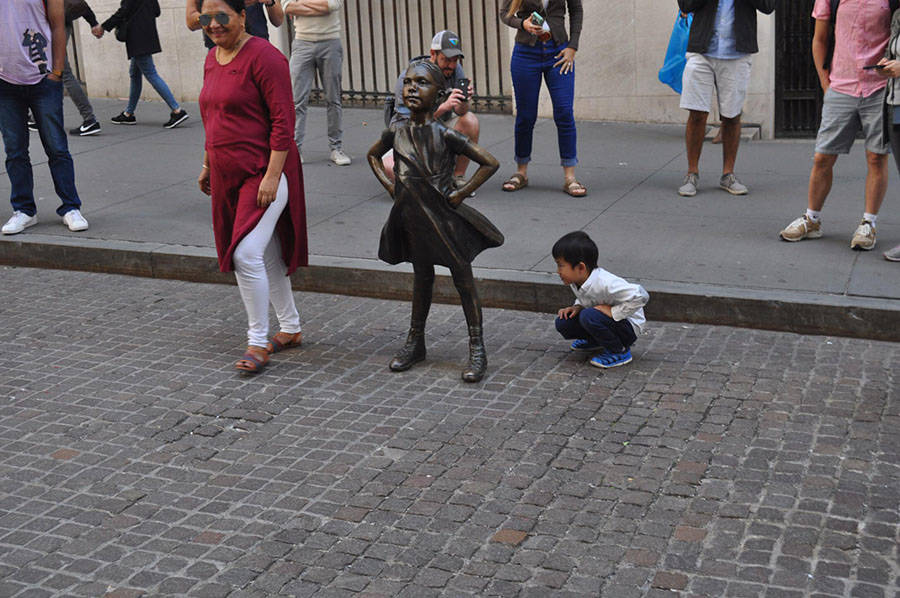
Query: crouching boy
608,312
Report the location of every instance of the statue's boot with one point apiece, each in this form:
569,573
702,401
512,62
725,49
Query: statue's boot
412,352
477,365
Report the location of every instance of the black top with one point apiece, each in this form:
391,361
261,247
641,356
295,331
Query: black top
704,23
139,19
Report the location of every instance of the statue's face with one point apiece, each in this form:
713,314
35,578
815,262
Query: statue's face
419,89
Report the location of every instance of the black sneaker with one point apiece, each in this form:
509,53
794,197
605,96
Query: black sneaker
124,119
176,118
31,124
90,127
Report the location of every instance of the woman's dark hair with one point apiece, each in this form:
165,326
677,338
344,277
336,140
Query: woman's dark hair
437,76
235,5
576,247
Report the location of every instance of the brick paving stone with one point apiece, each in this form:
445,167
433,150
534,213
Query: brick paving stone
721,462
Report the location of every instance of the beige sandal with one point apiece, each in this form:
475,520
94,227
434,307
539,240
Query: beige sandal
574,188
515,182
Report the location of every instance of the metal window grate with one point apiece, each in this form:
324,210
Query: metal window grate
380,36
798,95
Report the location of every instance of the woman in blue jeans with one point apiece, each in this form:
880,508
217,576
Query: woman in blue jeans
545,51
137,18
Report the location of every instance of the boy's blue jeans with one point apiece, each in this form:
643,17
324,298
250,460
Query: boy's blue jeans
45,101
592,324
529,65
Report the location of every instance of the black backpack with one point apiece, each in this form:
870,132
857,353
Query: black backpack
895,4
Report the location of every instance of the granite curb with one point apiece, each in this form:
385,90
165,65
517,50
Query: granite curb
798,312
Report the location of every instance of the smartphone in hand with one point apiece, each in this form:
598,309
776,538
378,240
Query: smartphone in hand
463,86
870,67
537,19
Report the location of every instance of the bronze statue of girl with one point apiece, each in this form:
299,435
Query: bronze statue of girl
428,223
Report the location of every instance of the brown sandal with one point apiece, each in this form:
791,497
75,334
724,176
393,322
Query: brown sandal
295,339
254,360
515,182
574,188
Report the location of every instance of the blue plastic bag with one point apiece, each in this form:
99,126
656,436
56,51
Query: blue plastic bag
673,66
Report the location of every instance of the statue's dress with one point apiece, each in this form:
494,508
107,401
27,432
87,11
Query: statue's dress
423,228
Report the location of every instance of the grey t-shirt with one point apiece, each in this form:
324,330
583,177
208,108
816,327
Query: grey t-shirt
401,112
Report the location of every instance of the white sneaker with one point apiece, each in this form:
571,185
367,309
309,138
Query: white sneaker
75,221
864,237
339,157
19,222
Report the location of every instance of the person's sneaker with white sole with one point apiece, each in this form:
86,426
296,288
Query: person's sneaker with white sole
583,345
18,222
89,127
75,221
730,183
339,157
689,185
864,237
802,228
893,254
611,360
176,118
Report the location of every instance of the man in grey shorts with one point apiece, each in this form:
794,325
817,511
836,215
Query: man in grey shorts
719,55
854,101
317,48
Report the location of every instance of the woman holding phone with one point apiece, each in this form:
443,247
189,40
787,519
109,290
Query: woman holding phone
544,50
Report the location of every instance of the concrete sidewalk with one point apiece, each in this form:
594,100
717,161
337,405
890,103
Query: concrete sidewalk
713,258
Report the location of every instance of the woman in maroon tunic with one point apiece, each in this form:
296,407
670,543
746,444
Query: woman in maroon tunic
252,171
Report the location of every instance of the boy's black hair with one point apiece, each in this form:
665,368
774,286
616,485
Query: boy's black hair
576,247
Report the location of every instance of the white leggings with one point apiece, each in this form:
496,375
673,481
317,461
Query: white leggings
262,275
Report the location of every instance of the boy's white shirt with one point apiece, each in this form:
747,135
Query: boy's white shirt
626,299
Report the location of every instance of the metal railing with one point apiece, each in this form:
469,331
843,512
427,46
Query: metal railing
381,36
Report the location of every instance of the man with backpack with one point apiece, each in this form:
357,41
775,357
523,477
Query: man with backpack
858,32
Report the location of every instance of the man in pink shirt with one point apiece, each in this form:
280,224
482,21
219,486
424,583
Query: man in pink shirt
854,101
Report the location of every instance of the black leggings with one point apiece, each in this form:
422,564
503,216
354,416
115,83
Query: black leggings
423,285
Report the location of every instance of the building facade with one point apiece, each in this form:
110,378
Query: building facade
622,47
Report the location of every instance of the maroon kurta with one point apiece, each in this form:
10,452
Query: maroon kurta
248,110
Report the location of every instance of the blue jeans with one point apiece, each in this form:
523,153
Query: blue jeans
592,324
529,65
143,65
44,99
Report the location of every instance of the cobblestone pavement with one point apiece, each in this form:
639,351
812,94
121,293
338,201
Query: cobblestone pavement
721,462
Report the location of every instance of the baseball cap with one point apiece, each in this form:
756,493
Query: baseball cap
447,43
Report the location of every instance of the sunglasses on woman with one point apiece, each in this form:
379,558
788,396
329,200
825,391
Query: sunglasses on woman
206,20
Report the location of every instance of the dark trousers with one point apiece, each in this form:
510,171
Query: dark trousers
530,65
44,99
592,324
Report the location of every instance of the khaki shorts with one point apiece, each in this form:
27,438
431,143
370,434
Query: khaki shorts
729,78
843,116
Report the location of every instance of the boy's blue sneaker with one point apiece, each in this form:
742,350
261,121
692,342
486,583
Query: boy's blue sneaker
611,360
583,344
